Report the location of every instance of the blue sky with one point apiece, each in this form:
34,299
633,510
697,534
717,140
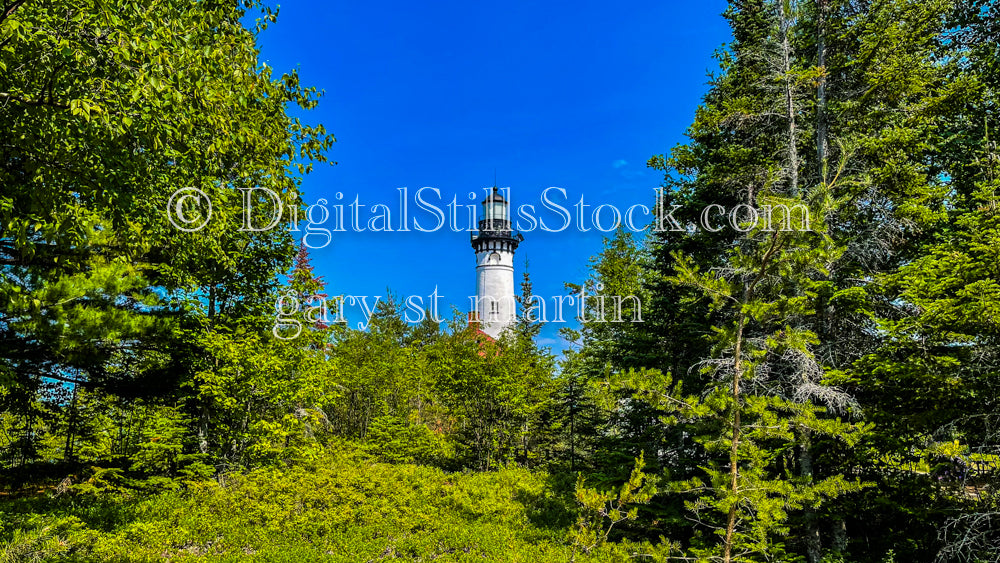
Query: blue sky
442,94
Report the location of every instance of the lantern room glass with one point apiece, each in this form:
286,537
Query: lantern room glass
496,211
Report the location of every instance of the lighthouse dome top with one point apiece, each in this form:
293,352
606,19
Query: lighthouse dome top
495,196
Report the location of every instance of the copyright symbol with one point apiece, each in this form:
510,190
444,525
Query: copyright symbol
190,200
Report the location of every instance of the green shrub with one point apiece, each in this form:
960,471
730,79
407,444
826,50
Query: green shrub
338,508
393,440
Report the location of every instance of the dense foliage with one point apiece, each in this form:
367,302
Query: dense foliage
813,394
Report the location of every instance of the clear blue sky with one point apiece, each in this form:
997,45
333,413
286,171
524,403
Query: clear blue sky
576,95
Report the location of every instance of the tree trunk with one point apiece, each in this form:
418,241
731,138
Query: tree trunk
572,425
812,536
814,549
839,535
211,302
786,60
203,430
734,448
822,127
71,425
742,320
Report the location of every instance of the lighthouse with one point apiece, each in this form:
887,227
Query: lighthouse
494,243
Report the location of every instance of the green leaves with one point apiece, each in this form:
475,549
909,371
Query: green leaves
600,511
108,108
262,397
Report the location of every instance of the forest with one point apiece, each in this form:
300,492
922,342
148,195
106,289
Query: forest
822,395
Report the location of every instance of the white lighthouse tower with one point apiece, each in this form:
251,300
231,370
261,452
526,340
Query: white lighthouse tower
494,243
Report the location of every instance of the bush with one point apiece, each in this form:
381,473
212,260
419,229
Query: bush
398,441
338,508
